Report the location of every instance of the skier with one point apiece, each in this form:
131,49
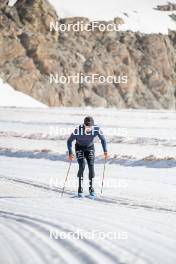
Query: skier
84,148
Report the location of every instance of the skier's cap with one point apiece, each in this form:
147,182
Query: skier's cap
88,121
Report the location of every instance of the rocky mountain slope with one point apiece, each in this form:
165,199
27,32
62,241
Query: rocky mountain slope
29,53
167,7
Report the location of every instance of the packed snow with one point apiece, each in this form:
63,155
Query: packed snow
11,98
133,222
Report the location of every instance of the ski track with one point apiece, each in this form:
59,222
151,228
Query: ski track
104,199
19,242
150,245
43,226
77,254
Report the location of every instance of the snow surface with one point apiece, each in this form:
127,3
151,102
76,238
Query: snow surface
139,15
138,202
10,97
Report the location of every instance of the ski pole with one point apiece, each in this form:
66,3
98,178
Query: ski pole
103,177
66,178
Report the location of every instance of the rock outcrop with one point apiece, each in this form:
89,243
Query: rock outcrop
29,53
167,7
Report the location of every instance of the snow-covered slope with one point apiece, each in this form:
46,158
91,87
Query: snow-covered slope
10,97
138,15
134,222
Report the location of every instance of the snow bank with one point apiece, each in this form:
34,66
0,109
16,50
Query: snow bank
138,15
12,98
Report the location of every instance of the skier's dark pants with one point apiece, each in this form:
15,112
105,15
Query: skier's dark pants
88,153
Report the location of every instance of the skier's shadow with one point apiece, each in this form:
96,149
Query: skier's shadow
97,199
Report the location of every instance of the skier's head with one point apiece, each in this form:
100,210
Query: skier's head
88,123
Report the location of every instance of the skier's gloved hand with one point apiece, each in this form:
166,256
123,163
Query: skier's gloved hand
70,156
106,155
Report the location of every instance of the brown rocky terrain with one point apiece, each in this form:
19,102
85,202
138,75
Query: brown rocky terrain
168,7
29,53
